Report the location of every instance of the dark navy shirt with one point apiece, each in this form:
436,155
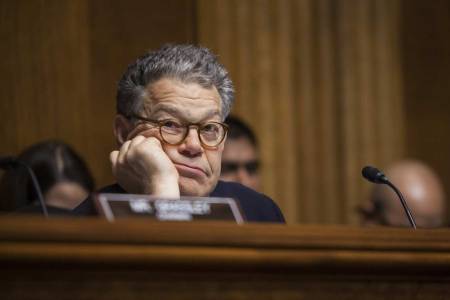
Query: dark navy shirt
255,206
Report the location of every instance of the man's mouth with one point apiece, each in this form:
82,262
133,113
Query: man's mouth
189,171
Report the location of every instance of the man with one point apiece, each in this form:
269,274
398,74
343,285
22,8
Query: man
423,192
240,158
170,108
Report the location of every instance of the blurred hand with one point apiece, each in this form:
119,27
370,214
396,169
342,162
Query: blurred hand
142,167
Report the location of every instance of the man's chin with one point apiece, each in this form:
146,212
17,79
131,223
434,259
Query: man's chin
193,188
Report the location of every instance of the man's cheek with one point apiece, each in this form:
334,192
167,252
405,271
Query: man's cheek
216,166
171,152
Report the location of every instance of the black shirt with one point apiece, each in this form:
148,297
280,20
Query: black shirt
255,206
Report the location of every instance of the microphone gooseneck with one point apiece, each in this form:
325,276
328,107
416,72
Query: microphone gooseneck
11,162
376,176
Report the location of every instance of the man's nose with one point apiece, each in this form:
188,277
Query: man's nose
191,144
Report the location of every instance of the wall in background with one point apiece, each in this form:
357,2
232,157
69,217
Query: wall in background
44,73
119,33
320,83
426,73
328,85
61,60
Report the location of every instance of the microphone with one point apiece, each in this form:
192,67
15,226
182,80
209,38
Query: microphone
374,175
7,162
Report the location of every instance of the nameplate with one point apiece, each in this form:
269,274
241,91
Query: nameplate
115,206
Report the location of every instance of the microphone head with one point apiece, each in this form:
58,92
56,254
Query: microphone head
373,175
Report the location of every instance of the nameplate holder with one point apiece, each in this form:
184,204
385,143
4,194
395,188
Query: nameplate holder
115,206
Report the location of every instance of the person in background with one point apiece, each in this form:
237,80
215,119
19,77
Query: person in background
422,189
63,176
240,157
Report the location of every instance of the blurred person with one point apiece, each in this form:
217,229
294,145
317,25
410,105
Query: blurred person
424,195
240,157
63,177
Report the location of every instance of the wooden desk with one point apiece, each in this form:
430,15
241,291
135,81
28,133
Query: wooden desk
139,259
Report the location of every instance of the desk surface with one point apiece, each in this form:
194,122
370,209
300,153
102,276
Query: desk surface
211,260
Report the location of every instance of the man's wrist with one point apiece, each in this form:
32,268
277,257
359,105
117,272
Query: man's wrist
167,187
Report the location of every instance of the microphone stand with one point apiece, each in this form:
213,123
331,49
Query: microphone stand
374,175
403,202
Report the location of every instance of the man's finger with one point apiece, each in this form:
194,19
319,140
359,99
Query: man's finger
152,140
136,141
113,158
123,152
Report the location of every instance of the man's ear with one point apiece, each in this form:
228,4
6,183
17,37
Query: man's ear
122,127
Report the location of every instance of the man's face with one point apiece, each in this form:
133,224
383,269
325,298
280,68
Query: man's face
240,163
198,167
423,202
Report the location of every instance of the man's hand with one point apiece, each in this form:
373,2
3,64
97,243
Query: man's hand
142,167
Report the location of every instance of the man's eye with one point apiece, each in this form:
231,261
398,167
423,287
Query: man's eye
172,127
210,128
171,124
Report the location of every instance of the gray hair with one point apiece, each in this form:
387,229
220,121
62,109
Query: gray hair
187,63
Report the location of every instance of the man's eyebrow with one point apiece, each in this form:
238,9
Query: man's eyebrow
165,108
177,113
212,113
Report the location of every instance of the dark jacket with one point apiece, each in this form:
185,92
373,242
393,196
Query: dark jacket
255,206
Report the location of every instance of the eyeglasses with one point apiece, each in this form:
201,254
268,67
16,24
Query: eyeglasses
172,132
250,167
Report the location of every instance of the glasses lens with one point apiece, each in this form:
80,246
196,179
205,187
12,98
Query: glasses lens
229,167
172,132
212,134
252,167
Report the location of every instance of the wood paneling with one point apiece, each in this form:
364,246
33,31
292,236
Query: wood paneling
319,80
320,83
118,35
61,60
44,73
426,71
141,259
